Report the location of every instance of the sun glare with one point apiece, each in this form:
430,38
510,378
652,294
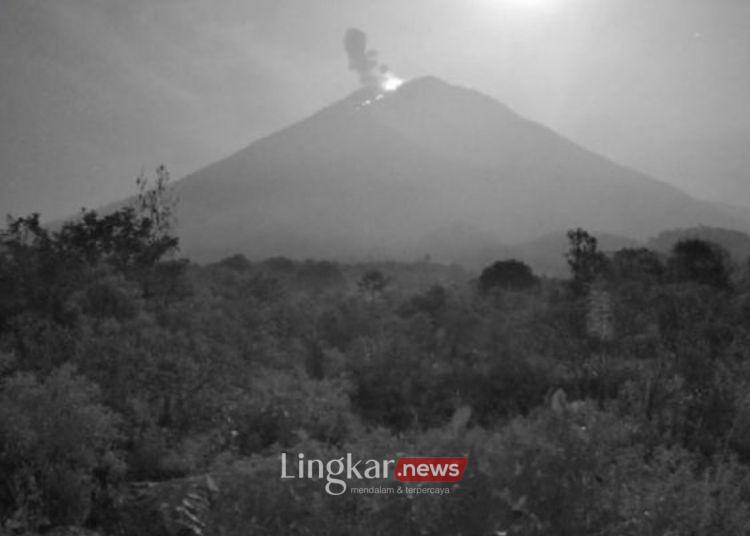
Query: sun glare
533,5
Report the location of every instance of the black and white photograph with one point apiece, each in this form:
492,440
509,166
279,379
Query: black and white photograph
375,268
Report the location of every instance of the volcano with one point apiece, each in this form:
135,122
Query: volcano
429,169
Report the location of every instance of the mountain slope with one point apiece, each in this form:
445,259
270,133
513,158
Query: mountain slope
381,180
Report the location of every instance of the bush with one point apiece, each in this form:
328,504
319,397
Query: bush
57,456
280,407
700,262
507,275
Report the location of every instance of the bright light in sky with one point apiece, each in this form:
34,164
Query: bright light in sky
535,3
544,6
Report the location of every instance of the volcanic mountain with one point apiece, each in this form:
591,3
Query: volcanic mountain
428,169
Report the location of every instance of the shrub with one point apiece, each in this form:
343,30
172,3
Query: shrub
57,457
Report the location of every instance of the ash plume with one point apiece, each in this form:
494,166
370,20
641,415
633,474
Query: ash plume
363,61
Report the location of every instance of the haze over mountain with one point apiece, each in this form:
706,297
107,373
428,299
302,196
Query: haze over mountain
430,168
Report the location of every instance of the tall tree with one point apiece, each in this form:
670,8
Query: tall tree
585,260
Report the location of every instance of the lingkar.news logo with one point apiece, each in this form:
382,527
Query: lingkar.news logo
338,472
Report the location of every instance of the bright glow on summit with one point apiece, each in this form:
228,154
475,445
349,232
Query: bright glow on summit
391,82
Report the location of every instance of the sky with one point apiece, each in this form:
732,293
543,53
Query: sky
93,92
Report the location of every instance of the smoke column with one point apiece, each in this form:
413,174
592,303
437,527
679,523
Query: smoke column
362,61
365,63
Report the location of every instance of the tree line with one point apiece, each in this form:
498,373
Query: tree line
611,402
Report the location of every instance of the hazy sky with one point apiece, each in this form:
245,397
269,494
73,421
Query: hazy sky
91,92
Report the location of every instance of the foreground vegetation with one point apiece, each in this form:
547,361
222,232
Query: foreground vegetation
141,394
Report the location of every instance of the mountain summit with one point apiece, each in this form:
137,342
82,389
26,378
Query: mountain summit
430,168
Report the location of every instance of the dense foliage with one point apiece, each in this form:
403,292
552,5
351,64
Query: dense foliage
613,403
510,274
